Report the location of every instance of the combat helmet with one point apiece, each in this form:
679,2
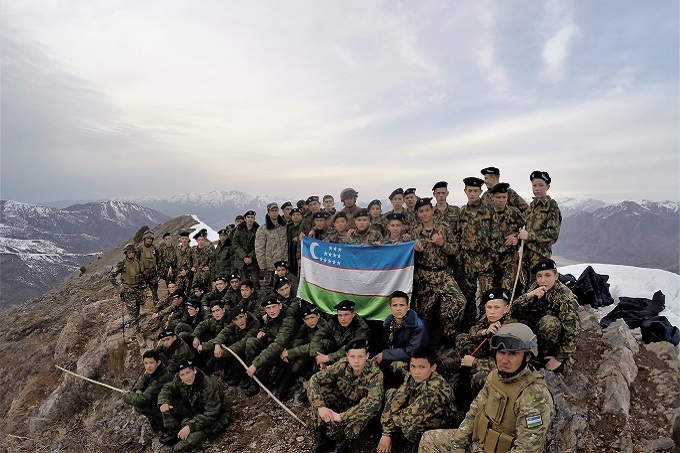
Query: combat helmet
129,248
348,193
148,234
515,337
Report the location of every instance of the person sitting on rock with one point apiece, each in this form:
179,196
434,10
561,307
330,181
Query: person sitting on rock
144,393
193,316
207,335
342,328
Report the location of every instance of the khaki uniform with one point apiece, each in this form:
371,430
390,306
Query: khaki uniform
130,272
543,225
148,256
271,245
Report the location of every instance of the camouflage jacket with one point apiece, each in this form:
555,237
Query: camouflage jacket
300,346
203,256
504,224
279,332
474,230
449,216
185,258
338,238
307,223
368,237
253,305
202,402
232,335
173,313
407,226
231,298
365,390
533,407
514,200
543,225
271,244
167,258
432,254
340,335
150,385
207,330
214,295
380,226
224,261
176,354
293,237
558,301
130,272
148,257
243,245
192,321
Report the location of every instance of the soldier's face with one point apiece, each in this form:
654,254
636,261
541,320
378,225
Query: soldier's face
546,278
240,320
130,254
148,241
328,203
421,370
220,285
398,307
314,206
217,312
167,240
340,224
234,282
274,214
273,310
281,271
396,228
177,301
425,213
320,223
362,223
184,240
172,288
539,188
284,291
150,365
168,341
223,237
345,317
312,320
250,220
246,291
375,211
440,194
495,309
410,200
509,361
193,311
200,241
187,375
357,359
490,180
397,201
296,217
349,201
473,193
500,200
286,211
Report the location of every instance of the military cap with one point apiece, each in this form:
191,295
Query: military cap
397,191
201,233
395,216
166,235
224,278
234,312
309,309
194,302
348,193
501,187
357,343
281,281
439,185
215,303
198,286
427,201
250,212
321,215
185,233
363,212
473,181
346,305
496,293
375,202
271,206
223,231
312,198
130,248
239,217
271,300
294,210
490,171
340,215
282,263
543,265
234,275
540,175
300,203
186,364
148,234
166,333
178,295
409,191
286,204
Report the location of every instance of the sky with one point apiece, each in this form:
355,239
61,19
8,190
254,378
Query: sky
127,98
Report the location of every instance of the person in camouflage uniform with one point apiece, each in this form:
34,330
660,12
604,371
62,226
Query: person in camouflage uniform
542,224
395,228
313,206
130,271
348,197
475,248
293,235
271,245
550,309
166,302
364,234
243,245
144,393
284,294
250,299
444,212
224,260
233,295
424,401
206,335
507,221
244,325
193,407
491,177
438,301
340,233
410,200
263,352
148,257
512,412
397,200
203,260
167,259
173,350
173,312
193,316
328,204
349,392
320,230
378,222
299,354
183,273
218,293
283,270
341,329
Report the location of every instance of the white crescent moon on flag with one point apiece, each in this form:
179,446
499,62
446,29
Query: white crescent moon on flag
311,250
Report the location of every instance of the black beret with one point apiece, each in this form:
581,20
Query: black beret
201,234
395,216
340,215
186,364
300,203
473,181
184,233
223,231
199,286
496,293
194,302
346,305
543,265
281,281
490,171
271,300
357,343
282,264
439,185
166,235
375,202
178,294
409,191
363,212
294,210
427,201
224,278
397,191
251,212
321,215
216,303
166,333
234,275
540,175
286,204
501,187
309,309
312,198
234,312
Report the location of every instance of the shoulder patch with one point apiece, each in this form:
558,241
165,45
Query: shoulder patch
534,421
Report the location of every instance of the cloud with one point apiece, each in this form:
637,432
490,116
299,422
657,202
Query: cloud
562,32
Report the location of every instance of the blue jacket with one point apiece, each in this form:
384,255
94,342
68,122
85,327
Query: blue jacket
409,336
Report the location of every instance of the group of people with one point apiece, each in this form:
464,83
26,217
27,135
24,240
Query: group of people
237,300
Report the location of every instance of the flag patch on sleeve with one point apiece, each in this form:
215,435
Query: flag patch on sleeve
534,421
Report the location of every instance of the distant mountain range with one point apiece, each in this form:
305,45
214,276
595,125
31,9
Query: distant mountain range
41,245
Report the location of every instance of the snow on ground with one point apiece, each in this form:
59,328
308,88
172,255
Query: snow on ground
629,281
212,234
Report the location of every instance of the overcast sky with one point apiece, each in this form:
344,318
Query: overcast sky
112,98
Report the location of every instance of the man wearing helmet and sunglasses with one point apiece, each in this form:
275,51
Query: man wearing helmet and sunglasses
514,409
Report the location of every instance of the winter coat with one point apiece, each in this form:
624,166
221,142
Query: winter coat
411,334
271,244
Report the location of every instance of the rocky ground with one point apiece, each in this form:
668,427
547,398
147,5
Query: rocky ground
620,396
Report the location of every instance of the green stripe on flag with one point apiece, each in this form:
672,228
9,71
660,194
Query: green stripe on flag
374,308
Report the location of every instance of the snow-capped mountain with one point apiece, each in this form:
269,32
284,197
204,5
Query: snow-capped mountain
571,205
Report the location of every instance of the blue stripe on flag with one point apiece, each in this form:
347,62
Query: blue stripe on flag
388,256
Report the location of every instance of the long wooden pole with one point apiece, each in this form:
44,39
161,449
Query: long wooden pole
90,380
519,270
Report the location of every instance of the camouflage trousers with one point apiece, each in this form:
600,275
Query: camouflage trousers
133,296
172,420
183,282
184,331
475,273
250,274
503,270
549,334
203,277
352,425
306,365
440,305
411,420
439,441
153,414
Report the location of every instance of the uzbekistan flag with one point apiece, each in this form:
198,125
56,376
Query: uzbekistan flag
364,274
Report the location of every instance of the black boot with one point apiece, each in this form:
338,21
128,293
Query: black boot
321,441
234,376
253,388
283,390
169,438
342,446
303,398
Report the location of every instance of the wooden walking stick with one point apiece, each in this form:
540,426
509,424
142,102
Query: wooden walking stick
110,387
519,270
